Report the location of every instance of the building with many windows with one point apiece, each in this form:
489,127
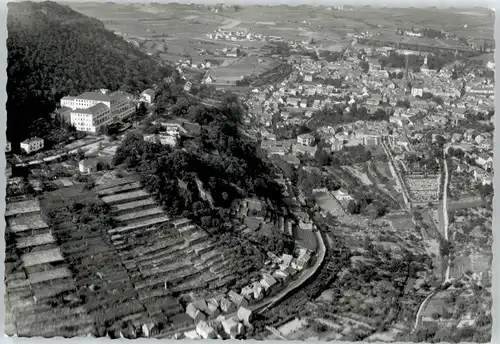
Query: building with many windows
32,145
120,104
91,119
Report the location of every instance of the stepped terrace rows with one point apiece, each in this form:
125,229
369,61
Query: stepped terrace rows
164,257
102,281
91,279
41,295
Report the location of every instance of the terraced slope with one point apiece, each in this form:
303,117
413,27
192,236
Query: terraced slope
41,296
139,271
165,256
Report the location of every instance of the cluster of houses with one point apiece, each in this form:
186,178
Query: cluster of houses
363,133
481,171
232,311
90,111
188,63
308,89
236,35
169,135
210,321
31,145
295,100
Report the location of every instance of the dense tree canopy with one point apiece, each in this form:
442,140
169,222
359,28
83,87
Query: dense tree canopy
54,51
227,167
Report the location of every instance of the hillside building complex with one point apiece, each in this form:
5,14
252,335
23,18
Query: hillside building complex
92,110
92,118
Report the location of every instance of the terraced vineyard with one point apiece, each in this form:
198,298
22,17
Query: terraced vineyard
41,293
142,270
150,244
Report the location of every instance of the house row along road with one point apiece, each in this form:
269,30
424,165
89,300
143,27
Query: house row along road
267,303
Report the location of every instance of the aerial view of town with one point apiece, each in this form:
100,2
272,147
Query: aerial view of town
188,171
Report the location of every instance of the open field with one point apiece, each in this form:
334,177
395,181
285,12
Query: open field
469,202
329,203
238,68
175,25
306,238
401,222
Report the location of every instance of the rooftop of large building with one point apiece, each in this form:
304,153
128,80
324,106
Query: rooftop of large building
93,109
33,139
98,96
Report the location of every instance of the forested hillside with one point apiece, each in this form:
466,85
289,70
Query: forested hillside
54,51
226,165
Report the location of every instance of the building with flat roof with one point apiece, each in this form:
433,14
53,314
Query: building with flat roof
91,119
120,104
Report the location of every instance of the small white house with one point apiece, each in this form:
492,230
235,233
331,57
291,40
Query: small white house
148,96
87,166
187,86
305,139
208,80
32,145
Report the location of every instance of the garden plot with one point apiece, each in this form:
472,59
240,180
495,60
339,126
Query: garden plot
379,174
125,197
358,174
329,203
123,186
140,215
120,209
140,226
29,222
35,240
39,277
23,207
36,258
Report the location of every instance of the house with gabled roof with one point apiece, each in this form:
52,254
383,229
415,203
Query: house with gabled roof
237,299
268,283
226,305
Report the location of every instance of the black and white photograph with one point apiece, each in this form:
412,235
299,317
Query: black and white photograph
234,170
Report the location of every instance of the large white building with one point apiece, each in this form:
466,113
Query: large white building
91,119
120,104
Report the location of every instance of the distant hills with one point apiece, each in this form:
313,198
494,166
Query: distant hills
54,51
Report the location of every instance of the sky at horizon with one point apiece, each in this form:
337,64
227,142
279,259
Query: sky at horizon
383,3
